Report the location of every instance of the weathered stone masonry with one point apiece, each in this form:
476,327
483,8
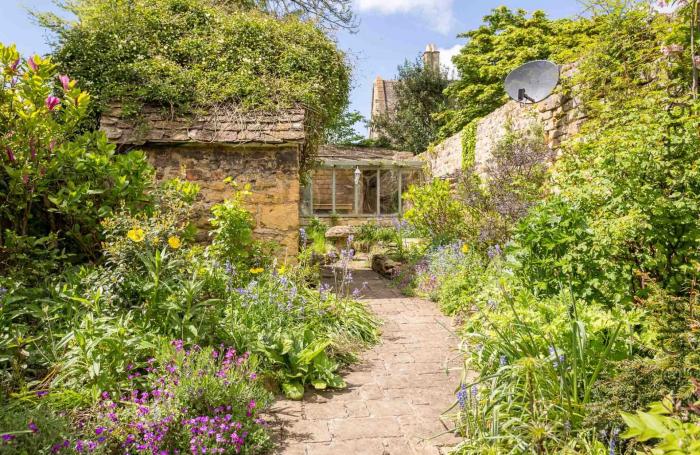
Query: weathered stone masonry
560,116
261,149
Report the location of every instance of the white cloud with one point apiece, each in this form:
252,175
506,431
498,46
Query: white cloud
446,55
438,13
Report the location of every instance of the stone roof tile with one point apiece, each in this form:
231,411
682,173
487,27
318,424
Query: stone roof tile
156,125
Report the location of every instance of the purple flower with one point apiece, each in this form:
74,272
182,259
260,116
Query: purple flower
10,154
42,393
99,430
65,82
503,361
8,437
32,426
15,64
51,102
462,396
178,344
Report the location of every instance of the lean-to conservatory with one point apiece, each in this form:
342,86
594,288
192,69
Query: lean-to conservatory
354,184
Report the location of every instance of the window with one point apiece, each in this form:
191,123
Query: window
377,192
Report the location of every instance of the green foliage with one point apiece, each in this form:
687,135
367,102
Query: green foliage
513,181
469,144
666,425
538,362
233,229
208,392
56,184
342,130
419,94
506,40
189,54
627,203
315,233
434,213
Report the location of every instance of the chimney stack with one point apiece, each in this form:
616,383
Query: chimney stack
431,58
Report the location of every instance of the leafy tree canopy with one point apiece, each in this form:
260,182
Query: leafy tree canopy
342,130
419,94
506,40
184,54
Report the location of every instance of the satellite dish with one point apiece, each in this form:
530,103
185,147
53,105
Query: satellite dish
533,81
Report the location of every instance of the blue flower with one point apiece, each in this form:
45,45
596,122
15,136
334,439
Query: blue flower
462,396
503,360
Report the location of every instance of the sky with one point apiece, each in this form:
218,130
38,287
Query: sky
390,31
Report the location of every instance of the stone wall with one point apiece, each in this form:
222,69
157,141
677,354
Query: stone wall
261,149
273,174
445,159
560,116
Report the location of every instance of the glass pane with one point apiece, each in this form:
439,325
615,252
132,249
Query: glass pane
389,192
344,191
306,209
322,179
408,178
368,192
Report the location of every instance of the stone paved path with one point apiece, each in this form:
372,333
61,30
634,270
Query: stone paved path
395,396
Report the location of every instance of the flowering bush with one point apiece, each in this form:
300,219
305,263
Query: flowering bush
56,183
207,400
435,213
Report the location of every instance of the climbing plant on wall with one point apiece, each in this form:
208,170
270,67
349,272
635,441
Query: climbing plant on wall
190,54
506,40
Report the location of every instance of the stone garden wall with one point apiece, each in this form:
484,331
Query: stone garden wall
260,149
560,116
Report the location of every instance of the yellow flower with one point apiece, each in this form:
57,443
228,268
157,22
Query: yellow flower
174,242
465,248
136,235
282,269
256,270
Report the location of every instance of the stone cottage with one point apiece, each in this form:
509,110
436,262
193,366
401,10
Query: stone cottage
262,149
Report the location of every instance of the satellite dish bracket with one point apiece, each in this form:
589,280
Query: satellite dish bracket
524,96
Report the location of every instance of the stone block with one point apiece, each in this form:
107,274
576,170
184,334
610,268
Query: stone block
280,216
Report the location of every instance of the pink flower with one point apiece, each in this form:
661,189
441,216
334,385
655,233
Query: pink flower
32,63
52,102
15,64
10,154
65,81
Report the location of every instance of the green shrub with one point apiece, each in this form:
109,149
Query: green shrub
57,184
232,233
435,214
668,425
186,55
538,362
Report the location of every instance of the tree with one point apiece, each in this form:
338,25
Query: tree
342,131
506,40
330,14
420,94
